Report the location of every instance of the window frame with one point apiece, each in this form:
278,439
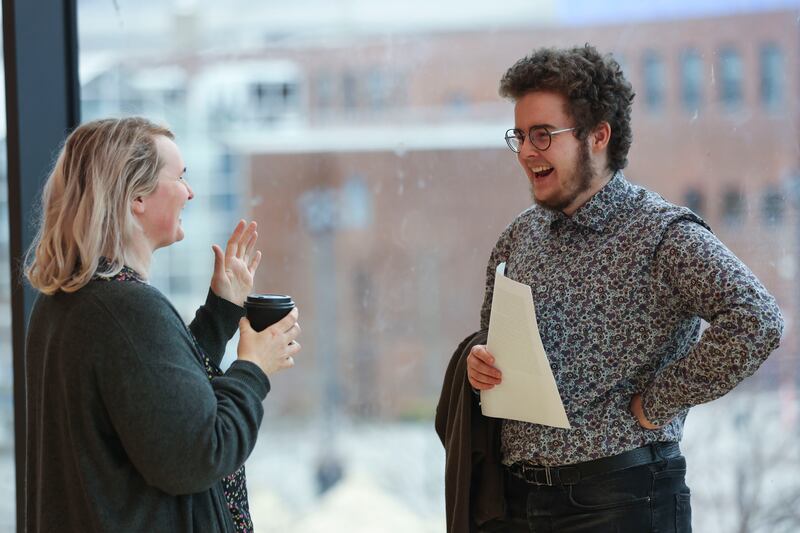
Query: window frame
40,50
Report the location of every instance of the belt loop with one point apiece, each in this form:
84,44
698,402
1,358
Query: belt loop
658,455
547,476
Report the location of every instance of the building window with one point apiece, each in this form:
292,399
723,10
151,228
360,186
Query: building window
691,80
325,90
693,199
457,102
654,81
378,89
772,75
732,206
731,75
773,206
226,165
350,89
272,100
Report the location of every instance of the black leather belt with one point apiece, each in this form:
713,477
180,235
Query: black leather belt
572,474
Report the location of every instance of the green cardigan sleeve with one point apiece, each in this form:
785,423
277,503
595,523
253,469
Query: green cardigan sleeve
182,431
214,324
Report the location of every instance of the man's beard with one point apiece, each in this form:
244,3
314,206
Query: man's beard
583,178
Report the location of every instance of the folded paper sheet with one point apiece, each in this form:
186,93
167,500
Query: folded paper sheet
528,390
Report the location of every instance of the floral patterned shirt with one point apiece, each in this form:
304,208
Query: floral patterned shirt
234,486
619,289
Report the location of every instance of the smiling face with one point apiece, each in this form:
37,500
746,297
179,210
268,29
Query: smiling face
563,177
158,213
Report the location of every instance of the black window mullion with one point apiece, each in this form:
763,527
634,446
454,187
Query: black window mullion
40,51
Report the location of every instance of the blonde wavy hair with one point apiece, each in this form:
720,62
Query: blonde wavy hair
86,202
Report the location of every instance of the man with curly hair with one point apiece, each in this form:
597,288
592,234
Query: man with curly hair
621,280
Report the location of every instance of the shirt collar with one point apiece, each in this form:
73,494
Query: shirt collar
596,213
126,273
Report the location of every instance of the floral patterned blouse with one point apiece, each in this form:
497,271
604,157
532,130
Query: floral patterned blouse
234,486
619,289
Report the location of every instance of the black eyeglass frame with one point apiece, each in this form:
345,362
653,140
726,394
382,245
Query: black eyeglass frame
516,135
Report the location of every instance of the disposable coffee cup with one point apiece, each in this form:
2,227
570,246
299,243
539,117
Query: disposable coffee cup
263,310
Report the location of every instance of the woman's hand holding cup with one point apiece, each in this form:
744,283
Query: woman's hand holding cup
272,349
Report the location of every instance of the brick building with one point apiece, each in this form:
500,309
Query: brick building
376,166
404,136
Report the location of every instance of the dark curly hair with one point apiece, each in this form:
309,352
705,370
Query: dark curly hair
595,88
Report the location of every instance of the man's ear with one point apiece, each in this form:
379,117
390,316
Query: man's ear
600,137
137,206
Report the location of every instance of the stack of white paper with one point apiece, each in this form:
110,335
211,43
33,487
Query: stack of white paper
528,391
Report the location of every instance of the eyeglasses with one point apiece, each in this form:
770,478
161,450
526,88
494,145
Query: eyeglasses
539,136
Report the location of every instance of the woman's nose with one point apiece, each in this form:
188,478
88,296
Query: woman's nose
189,189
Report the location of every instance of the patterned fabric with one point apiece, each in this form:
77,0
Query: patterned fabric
126,274
234,486
619,289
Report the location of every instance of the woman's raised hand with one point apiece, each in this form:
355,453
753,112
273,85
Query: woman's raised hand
234,269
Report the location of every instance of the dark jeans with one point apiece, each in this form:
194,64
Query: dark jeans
649,498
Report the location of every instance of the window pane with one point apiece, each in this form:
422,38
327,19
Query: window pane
324,91
368,144
654,80
694,200
691,80
773,206
733,206
772,76
731,75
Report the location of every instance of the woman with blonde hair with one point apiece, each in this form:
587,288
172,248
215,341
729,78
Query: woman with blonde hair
131,424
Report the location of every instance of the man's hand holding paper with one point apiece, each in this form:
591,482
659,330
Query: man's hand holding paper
481,372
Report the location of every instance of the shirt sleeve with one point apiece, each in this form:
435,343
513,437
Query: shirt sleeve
214,324
500,253
182,431
703,278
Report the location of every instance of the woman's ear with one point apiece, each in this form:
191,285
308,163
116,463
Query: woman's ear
137,206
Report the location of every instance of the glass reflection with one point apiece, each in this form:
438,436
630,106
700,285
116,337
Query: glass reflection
370,151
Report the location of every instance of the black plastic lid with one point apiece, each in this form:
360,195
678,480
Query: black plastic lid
271,300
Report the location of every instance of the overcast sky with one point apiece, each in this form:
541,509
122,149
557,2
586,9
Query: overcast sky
360,15
593,11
